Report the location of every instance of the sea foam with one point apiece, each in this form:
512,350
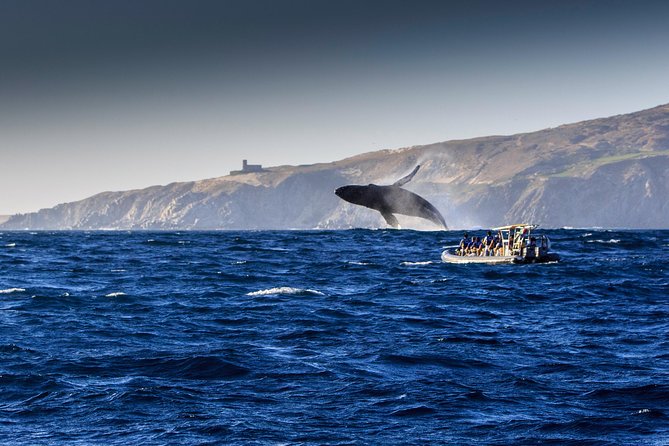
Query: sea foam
12,290
613,240
284,290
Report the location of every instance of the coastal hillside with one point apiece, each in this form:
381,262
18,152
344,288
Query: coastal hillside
609,172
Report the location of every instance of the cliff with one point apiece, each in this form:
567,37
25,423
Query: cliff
610,172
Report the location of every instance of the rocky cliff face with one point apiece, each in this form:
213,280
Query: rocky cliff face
611,172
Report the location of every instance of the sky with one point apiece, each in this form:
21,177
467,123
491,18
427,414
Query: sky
114,95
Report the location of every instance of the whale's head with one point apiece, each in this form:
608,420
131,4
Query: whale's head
353,194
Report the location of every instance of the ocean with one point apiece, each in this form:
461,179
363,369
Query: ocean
330,337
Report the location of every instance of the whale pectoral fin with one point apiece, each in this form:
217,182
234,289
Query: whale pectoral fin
406,179
390,219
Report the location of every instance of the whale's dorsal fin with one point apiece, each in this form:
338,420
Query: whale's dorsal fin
390,219
406,179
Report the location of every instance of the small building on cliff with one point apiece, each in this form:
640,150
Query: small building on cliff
247,168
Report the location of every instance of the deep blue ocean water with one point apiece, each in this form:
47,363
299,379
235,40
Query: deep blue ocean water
337,337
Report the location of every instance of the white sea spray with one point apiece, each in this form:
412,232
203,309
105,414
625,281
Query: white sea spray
284,290
12,290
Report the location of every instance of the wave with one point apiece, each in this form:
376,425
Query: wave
158,242
285,290
10,245
591,228
423,360
613,240
197,368
344,327
414,411
429,262
116,294
12,290
647,392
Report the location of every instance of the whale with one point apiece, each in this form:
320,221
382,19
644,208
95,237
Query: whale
392,199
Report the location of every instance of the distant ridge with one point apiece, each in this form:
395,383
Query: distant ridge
608,172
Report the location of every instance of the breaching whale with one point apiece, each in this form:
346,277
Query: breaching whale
389,200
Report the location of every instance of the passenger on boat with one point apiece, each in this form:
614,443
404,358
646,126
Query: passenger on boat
498,244
464,245
531,248
510,241
488,242
477,246
517,242
522,240
543,246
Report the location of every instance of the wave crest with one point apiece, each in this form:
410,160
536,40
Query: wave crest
12,290
613,240
285,290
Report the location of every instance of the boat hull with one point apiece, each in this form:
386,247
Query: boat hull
450,257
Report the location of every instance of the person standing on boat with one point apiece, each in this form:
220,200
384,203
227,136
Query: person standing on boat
488,241
522,241
465,243
532,248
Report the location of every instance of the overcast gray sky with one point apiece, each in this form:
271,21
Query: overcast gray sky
114,95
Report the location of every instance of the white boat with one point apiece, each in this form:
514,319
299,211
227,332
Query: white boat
517,245
451,257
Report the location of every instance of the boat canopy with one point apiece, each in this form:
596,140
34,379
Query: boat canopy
519,225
